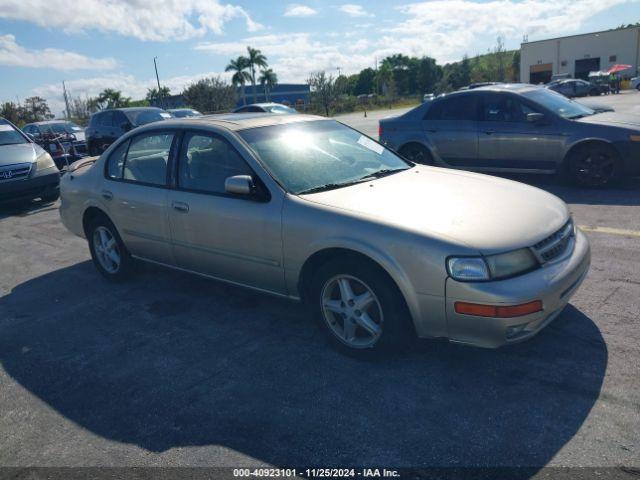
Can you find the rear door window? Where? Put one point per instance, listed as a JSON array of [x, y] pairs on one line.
[[147, 158], [456, 108]]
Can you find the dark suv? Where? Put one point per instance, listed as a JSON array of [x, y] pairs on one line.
[[108, 125]]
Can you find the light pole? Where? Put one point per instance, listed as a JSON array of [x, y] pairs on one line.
[[158, 80]]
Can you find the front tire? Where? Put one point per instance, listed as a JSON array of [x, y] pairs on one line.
[[595, 166], [109, 254], [51, 197], [360, 307]]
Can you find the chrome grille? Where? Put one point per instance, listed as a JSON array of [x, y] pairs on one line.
[[15, 172], [554, 245]]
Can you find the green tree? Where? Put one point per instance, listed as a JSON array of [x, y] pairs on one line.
[[210, 95], [366, 82], [110, 98], [240, 76], [35, 109], [323, 93], [12, 112], [256, 60], [268, 79], [428, 74], [156, 96]]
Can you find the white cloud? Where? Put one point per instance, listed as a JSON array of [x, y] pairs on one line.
[[446, 29], [14, 55], [354, 10], [293, 56], [294, 10], [161, 20]]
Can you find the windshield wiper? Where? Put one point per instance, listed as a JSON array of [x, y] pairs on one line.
[[366, 178], [331, 186]]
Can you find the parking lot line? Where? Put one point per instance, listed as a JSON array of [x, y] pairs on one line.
[[609, 230]]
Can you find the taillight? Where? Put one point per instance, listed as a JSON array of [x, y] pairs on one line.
[[379, 130]]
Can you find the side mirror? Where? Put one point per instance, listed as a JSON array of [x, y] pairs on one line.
[[239, 185], [535, 117]]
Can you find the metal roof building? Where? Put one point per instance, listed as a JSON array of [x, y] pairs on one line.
[[577, 55]]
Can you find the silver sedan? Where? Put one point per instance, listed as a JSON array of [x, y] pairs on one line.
[[306, 208]]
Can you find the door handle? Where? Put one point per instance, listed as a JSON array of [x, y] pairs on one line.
[[107, 195], [180, 207]]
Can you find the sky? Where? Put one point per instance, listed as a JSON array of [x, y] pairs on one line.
[[98, 44]]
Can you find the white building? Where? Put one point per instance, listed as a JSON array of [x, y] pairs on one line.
[[578, 55]]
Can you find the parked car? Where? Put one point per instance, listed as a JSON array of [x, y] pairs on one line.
[[635, 83], [26, 170], [575, 88], [518, 128], [64, 140], [309, 209], [184, 112], [264, 108], [108, 125]]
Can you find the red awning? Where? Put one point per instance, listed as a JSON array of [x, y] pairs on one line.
[[619, 68]]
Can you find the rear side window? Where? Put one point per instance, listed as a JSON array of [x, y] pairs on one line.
[[105, 119], [147, 158], [206, 161], [115, 164], [457, 108]]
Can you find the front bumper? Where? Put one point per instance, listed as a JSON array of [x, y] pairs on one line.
[[47, 183], [553, 284]]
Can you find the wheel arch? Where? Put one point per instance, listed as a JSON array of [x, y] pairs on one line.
[[363, 253], [585, 142], [89, 215]]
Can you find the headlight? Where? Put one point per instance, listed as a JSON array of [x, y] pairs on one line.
[[511, 263], [468, 268], [492, 267], [44, 161]]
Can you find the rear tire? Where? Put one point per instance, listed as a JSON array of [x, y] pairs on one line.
[[417, 153], [594, 166], [360, 308], [109, 254]]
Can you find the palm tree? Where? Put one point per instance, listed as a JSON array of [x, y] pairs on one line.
[[268, 79], [256, 60], [241, 76], [111, 98]]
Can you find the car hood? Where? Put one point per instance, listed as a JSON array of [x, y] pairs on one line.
[[488, 214], [20, 153], [614, 119]]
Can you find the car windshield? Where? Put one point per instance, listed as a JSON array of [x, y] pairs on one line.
[[306, 157], [9, 135], [558, 103], [280, 109], [148, 116]]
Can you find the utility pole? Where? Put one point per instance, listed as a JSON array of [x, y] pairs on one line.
[[66, 99], [158, 80]]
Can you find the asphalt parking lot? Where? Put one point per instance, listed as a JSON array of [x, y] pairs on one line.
[[175, 370]]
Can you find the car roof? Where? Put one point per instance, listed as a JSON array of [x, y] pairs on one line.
[[50, 122], [264, 104], [129, 109], [239, 121]]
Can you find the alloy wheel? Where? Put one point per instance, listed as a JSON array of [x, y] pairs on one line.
[[106, 249], [596, 168], [352, 311]]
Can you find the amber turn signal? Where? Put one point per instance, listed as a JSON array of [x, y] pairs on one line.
[[498, 311]]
